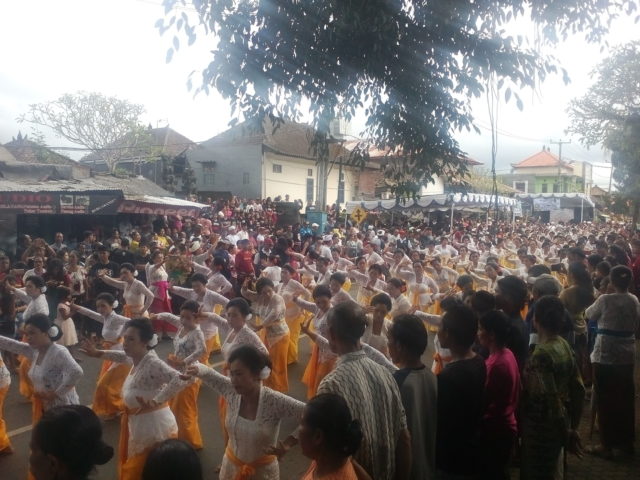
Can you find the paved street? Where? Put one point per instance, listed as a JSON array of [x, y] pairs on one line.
[[18, 417], [17, 414]]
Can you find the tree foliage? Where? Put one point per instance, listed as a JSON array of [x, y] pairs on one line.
[[108, 127], [413, 65], [609, 114]]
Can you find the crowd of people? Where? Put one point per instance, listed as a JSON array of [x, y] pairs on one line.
[[436, 353]]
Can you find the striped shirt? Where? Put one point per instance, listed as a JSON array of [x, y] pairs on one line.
[[367, 388]]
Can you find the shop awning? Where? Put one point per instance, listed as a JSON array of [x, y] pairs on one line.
[[466, 202], [567, 200], [150, 205]]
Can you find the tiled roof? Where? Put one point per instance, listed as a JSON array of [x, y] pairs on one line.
[[541, 159], [290, 138], [163, 140], [27, 151], [59, 178]]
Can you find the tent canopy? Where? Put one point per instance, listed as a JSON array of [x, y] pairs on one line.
[[458, 201], [567, 200]]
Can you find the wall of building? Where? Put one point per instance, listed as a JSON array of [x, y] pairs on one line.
[[228, 168], [433, 188], [294, 176]]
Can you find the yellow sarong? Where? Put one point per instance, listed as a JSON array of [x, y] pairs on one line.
[[4, 438], [131, 468], [185, 408], [278, 352]]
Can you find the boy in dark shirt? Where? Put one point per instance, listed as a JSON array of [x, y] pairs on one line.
[[460, 395], [511, 296]]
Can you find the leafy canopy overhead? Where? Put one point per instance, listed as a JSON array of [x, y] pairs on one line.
[[609, 114], [413, 65], [108, 127]]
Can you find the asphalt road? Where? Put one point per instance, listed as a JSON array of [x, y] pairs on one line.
[[17, 414]]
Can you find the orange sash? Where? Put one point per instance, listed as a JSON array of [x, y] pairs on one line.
[[124, 428], [248, 470]]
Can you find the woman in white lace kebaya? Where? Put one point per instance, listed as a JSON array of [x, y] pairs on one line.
[[270, 307], [322, 359], [294, 316], [210, 301], [107, 399], [253, 415], [151, 383], [189, 347], [33, 295], [137, 297], [53, 371]]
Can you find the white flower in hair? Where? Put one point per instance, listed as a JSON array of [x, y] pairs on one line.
[[153, 342], [115, 304], [135, 273], [43, 289], [53, 331], [264, 373]]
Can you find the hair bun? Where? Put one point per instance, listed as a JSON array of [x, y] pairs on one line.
[[353, 437], [153, 341], [54, 332], [102, 454]]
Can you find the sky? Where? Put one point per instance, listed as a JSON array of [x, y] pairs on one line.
[[112, 47]]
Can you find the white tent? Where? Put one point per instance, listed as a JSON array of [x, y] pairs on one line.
[[567, 200], [457, 201]]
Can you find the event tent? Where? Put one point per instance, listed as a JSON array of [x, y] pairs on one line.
[[456, 201]]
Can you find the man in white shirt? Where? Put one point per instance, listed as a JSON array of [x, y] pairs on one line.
[[232, 238]]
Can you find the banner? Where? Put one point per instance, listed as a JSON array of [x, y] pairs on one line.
[[546, 204], [59, 203]]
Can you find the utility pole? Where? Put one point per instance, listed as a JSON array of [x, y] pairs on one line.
[[559, 143]]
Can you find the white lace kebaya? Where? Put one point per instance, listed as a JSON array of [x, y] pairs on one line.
[[249, 438], [152, 380], [56, 371]]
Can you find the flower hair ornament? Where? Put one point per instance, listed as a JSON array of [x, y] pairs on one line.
[[53, 331], [115, 304], [264, 373], [153, 342], [135, 273], [43, 289]]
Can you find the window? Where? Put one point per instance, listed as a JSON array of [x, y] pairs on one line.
[[208, 178], [277, 168], [245, 178], [544, 188], [556, 188], [208, 167], [309, 191], [310, 172], [520, 186]]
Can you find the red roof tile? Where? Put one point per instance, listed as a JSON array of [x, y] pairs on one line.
[[541, 159]]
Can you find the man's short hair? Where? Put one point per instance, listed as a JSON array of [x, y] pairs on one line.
[[409, 332], [461, 325], [347, 321]]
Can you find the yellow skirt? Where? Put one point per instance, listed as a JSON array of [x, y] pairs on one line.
[[107, 400], [435, 309], [294, 324], [130, 468], [185, 408], [4, 438], [316, 371], [278, 380], [26, 387], [213, 345]]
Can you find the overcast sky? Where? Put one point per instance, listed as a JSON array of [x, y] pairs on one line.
[[111, 46]]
